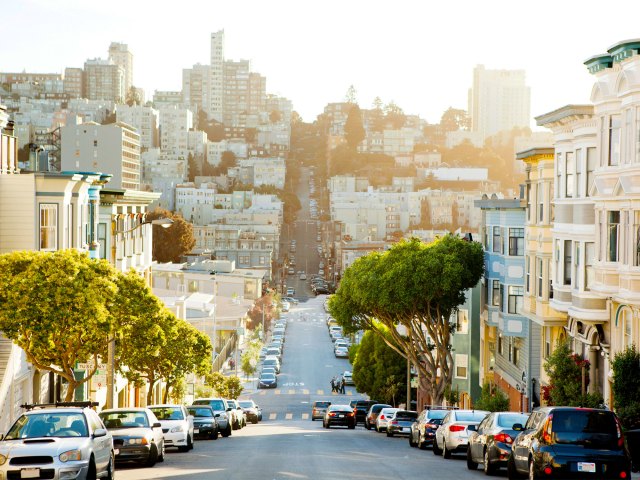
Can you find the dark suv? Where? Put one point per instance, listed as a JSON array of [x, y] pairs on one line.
[[568, 442], [361, 407], [423, 431]]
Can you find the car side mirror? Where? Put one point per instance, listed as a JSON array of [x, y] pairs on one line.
[[517, 427], [157, 425], [216, 415], [472, 428], [100, 432], [229, 409]]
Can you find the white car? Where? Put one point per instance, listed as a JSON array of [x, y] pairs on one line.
[[341, 352], [272, 361], [303, 276], [59, 442], [453, 434], [383, 418], [286, 306], [177, 425], [348, 378]]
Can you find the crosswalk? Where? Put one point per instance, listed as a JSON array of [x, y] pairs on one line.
[[304, 391], [289, 416]]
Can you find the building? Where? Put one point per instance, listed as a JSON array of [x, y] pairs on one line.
[[120, 55], [195, 87], [235, 99], [146, 121], [112, 148], [104, 80], [167, 98], [510, 342], [259, 171], [74, 82], [175, 123], [216, 78], [498, 100]]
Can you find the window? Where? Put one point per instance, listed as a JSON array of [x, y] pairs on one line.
[[497, 243], [527, 266], [592, 164], [496, 293], [569, 176], [500, 344], [614, 140], [540, 202], [547, 341], [558, 186], [515, 358], [516, 241], [540, 277], [462, 364], [515, 298], [626, 328], [48, 226], [614, 231], [463, 321], [566, 280], [501, 298], [589, 254], [579, 170]]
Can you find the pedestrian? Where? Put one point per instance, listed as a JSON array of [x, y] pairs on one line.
[[342, 384], [232, 364], [333, 384]]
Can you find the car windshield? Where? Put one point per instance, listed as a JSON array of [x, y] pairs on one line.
[[215, 404], [470, 416], [322, 404], [168, 413], [438, 414], [201, 412], [268, 376], [506, 420], [124, 419], [406, 415], [586, 427], [248, 404], [377, 408], [69, 424]]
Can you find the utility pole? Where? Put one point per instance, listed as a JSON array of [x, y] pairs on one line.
[[408, 384]]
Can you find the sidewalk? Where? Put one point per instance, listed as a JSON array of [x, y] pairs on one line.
[[249, 384]]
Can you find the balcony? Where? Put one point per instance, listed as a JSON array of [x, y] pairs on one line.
[[629, 285]]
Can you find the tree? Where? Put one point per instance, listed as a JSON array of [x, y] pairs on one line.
[[170, 244], [227, 160], [376, 115], [454, 119], [394, 115], [133, 97], [250, 357], [194, 168], [568, 379], [234, 387], [417, 286], [218, 382], [57, 307], [492, 399], [275, 116], [350, 96], [353, 130], [626, 386]]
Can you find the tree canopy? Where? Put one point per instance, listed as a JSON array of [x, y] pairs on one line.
[[169, 244], [417, 286], [626, 386], [353, 129]]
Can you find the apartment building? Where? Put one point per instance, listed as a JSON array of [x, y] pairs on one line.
[[195, 87], [104, 80], [216, 78], [112, 149], [73, 82], [120, 55], [215, 150], [175, 123], [259, 171], [146, 121]]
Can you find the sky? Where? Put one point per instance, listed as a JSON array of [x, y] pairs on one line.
[[419, 54]]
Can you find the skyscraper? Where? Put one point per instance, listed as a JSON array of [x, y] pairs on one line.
[[216, 83], [498, 100], [119, 54], [104, 80], [195, 87]]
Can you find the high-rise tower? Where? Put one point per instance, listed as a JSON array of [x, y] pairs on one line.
[[216, 83]]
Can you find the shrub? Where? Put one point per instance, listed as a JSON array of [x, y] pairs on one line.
[[492, 399], [626, 386]]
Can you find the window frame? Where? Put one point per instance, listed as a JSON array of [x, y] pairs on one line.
[[515, 299], [496, 239], [461, 362], [48, 224], [516, 241]]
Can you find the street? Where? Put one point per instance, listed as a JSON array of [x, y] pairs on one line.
[[287, 444]]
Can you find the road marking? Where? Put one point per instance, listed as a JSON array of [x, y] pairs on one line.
[[305, 416], [291, 392], [305, 391], [349, 393], [273, 416], [319, 392], [277, 392], [288, 416], [263, 392]]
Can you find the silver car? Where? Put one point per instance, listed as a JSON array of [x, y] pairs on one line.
[[64, 441], [453, 434], [383, 418]]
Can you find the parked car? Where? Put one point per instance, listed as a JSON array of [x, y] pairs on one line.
[[303, 276], [291, 300], [453, 434], [251, 410], [400, 422], [361, 407], [341, 352], [267, 380], [274, 351], [272, 361], [372, 415], [268, 370], [423, 431], [204, 421], [339, 415], [137, 435], [238, 419], [286, 306], [177, 426], [383, 418], [220, 408], [348, 378], [490, 444], [291, 291], [319, 408], [263, 353], [67, 438], [569, 442]]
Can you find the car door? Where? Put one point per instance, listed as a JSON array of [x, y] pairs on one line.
[[442, 429], [521, 446], [189, 418], [478, 439], [158, 437], [103, 446]]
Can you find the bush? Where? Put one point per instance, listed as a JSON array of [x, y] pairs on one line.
[[492, 399], [626, 386]]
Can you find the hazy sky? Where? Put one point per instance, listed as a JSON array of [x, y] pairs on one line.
[[420, 54]]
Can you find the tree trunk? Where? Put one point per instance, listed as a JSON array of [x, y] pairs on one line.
[[152, 382], [71, 389]]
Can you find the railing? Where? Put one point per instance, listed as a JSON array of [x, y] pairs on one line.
[[224, 353]]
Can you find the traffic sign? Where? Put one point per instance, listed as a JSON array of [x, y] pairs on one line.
[[90, 366]]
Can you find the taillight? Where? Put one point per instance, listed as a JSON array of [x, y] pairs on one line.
[[332, 414], [620, 440], [503, 437], [394, 422], [350, 414], [623, 474], [546, 429], [456, 428], [381, 417], [433, 426], [548, 470]]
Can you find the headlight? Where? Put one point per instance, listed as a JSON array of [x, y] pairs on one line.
[[177, 429], [3, 459], [137, 441], [71, 455], [223, 415], [207, 425]]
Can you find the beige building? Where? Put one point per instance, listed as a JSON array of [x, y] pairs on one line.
[[120, 55], [104, 80]]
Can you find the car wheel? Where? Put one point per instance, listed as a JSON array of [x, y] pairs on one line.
[[214, 435], [471, 465], [436, 448], [389, 434], [111, 467], [420, 444], [313, 419], [153, 456], [512, 472], [487, 467], [532, 470], [367, 425], [411, 442], [92, 474], [190, 442], [227, 431], [161, 453], [352, 427], [255, 422], [446, 453]]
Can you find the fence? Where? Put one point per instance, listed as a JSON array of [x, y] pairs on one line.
[[224, 353]]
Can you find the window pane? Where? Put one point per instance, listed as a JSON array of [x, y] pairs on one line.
[[569, 175], [591, 166], [567, 262], [614, 140], [614, 227]]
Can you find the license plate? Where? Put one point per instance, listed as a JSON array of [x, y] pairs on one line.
[[586, 467], [340, 416], [196, 430], [30, 473], [405, 429]]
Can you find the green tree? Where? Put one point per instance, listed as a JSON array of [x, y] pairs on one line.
[[568, 379], [250, 357], [133, 97], [227, 160], [394, 115], [218, 382], [275, 116], [492, 399], [234, 387], [194, 168], [169, 244], [626, 386], [351, 95], [454, 119], [56, 306], [417, 286], [353, 130]]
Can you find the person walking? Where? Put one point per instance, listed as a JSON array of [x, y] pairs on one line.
[[333, 384], [342, 384]]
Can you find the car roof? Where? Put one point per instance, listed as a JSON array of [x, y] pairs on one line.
[[55, 410], [164, 405], [126, 409], [335, 406], [200, 406]]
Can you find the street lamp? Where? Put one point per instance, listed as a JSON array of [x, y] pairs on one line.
[[111, 366]]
